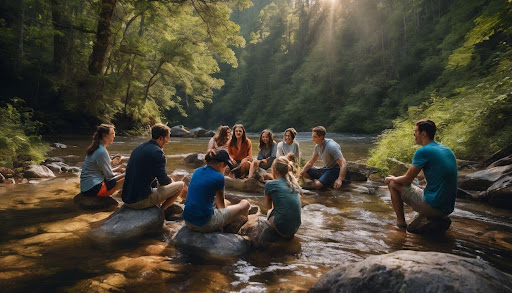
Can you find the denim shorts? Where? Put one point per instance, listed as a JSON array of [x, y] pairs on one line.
[[326, 176]]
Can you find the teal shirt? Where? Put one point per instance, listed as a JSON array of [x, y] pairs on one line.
[[440, 168], [287, 206]]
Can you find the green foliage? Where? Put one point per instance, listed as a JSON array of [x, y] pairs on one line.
[[18, 139]]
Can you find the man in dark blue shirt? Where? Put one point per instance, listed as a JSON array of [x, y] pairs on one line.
[[147, 163]]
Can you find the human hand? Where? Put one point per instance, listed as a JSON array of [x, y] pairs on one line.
[[338, 183], [389, 179]]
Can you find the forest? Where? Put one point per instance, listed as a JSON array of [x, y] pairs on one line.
[[365, 66]]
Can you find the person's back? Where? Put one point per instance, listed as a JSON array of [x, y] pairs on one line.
[[95, 169], [440, 168], [286, 206]]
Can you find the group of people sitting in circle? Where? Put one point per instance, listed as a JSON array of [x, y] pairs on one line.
[[145, 182]]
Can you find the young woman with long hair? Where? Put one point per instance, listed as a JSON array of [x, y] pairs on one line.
[[267, 152], [220, 140], [240, 151], [97, 177]]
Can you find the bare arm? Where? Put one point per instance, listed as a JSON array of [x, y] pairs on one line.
[[219, 199], [404, 179], [343, 172], [309, 164]]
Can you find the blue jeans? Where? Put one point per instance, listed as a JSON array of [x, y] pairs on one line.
[[326, 176]]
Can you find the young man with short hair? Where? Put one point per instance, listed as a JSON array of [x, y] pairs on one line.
[[335, 166], [439, 165], [147, 163]]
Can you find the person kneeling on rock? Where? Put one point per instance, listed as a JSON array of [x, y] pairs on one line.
[[207, 186], [282, 199]]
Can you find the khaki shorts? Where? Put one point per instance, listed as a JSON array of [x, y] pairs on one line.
[[158, 195], [413, 196], [219, 219]]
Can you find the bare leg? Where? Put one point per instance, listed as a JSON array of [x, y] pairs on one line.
[[398, 204], [245, 165], [253, 167], [318, 184], [241, 208]]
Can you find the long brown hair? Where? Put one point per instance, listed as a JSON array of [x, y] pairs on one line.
[[270, 139], [233, 137], [285, 168], [221, 138], [101, 131]]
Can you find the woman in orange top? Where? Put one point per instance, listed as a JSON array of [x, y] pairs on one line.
[[240, 151]]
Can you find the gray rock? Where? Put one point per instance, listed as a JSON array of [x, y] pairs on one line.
[[56, 167], [359, 172], [129, 224], [37, 171], [180, 131], [174, 212], [215, 244], [397, 168], [482, 180], [59, 145], [235, 225], [467, 165], [259, 233], [181, 175], [501, 162], [195, 159], [500, 193], [473, 195], [498, 155], [423, 225], [201, 132], [95, 202], [413, 271], [245, 185], [254, 210], [10, 181], [53, 160]]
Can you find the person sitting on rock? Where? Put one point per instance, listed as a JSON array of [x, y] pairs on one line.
[[207, 187], [282, 199], [220, 140], [289, 144], [335, 166], [267, 153], [147, 163], [240, 151], [97, 177], [439, 165]]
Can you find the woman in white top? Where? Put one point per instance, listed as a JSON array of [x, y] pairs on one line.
[[220, 140], [289, 145]]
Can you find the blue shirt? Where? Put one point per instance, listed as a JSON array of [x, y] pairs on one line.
[[146, 163], [95, 169], [440, 168], [205, 183]]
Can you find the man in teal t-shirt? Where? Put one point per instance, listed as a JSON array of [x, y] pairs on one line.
[[438, 163]]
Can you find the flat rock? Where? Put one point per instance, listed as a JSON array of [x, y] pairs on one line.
[[180, 131], [95, 202], [423, 225], [414, 271], [470, 194], [245, 185], [500, 193], [214, 244], [482, 180], [129, 224], [195, 159], [37, 171]]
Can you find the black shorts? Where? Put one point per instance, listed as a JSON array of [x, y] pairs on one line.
[[96, 189]]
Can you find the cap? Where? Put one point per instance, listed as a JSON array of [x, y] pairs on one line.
[[220, 156]]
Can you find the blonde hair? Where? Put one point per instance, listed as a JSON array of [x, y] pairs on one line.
[[285, 168]]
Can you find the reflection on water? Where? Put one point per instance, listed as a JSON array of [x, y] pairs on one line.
[[44, 244]]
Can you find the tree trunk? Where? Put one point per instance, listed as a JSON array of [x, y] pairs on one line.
[[20, 41], [61, 42], [103, 34]]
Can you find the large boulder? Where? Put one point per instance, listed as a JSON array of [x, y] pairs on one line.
[[424, 225], [95, 202], [201, 132], [259, 233], [500, 193], [359, 172], [129, 224], [180, 131], [482, 180], [397, 168], [501, 162], [244, 185], [37, 171], [214, 244], [195, 159], [60, 167], [413, 271]]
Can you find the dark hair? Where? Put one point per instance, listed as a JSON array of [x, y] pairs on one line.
[[101, 131], [233, 137], [320, 130], [292, 132], [428, 126], [221, 138], [270, 138], [158, 130]]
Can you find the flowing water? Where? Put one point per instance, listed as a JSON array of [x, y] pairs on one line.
[[44, 246]]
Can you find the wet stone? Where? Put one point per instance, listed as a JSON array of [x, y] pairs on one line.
[[423, 225], [235, 225], [259, 232], [37, 171], [214, 244], [95, 202], [174, 212]]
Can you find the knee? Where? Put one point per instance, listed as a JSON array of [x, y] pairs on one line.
[[245, 204], [318, 184]]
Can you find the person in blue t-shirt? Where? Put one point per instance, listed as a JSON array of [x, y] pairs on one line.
[[439, 165], [207, 187]]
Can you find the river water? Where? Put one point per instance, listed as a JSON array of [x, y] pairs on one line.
[[44, 245]]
